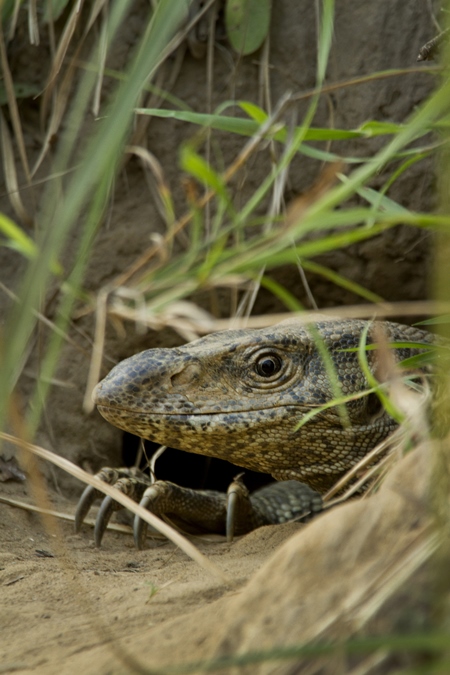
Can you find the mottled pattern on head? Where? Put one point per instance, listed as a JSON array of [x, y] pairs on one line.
[[239, 395]]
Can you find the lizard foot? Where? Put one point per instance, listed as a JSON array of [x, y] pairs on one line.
[[200, 511], [131, 482], [234, 513]]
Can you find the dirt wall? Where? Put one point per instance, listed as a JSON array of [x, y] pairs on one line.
[[368, 37]]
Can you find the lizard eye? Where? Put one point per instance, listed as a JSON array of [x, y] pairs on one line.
[[268, 365]]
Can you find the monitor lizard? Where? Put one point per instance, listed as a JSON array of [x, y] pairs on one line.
[[239, 395]]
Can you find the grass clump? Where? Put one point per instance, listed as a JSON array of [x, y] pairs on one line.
[[221, 241]]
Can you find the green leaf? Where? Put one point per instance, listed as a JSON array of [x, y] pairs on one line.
[[253, 111], [247, 24], [381, 202], [282, 293], [57, 7], [16, 238], [419, 360], [7, 9], [372, 381], [244, 127], [341, 400], [21, 90], [196, 166], [340, 280], [325, 39], [235, 125], [435, 321], [398, 345], [331, 370], [374, 128]]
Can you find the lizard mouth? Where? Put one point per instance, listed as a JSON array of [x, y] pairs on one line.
[[104, 409]]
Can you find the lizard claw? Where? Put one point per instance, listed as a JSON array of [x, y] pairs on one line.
[[232, 499], [107, 508], [86, 500], [237, 496], [90, 494], [129, 481]]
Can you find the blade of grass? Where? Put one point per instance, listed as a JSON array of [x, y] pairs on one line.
[[10, 174], [341, 281], [245, 127], [371, 379], [95, 169], [12, 105]]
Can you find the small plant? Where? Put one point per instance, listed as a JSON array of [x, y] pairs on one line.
[[153, 590]]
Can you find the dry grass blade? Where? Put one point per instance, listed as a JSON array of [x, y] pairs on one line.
[[59, 105], [33, 24], [13, 20], [182, 34], [205, 323], [209, 93], [366, 311], [103, 48], [373, 476], [356, 81], [63, 46], [408, 402], [162, 81], [394, 577], [50, 324], [325, 181], [186, 318], [9, 170], [97, 7], [114, 527], [128, 503], [243, 157], [412, 405], [392, 443], [152, 465], [162, 193], [275, 209], [365, 600], [371, 664], [12, 105], [97, 351]]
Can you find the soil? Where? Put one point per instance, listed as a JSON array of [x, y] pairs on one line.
[[74, 601], [67, 607]]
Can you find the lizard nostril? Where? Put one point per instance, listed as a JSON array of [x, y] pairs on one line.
[[188, 375]]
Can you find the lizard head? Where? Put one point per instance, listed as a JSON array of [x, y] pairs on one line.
[[239, 395]]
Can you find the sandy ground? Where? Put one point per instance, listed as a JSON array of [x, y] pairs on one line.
[[364, 568], [66, 606]]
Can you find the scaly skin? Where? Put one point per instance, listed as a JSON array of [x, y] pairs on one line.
[[238, 395]]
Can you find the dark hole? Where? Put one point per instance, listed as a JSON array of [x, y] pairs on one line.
[[374, 405], [190, 470]]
